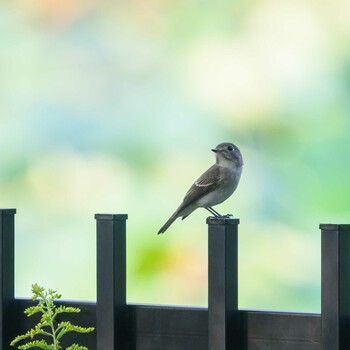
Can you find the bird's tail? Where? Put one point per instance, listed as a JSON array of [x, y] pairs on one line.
[[168, 223]]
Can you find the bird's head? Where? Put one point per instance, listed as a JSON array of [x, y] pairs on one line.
[[228, 152]]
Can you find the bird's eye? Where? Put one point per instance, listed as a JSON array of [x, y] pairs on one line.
[[230, 148]]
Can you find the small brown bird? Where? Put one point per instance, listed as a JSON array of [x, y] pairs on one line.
[[214, 186]]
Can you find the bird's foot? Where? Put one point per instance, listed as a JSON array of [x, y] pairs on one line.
[[217, 215], [227, 216]]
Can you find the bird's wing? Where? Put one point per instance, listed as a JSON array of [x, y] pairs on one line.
[[205, 184]]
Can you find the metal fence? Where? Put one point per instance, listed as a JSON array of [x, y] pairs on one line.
[[221, 326]]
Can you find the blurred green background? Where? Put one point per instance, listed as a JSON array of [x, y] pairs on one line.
[[101, 103]]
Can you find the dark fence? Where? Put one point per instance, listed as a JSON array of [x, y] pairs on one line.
[[221, 326]]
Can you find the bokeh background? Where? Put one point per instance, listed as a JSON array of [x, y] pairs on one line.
[[112, 107]]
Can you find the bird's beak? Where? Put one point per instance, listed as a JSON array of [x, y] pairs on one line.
[[214, 150]]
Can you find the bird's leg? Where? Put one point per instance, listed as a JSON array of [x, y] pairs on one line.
[[217, 215], [214, 212]]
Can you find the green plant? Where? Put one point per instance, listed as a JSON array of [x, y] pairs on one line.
[[48, 325]]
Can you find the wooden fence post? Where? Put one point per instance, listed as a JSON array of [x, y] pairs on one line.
[[335, 287], [224, 326], [111, 281], [7, 275]]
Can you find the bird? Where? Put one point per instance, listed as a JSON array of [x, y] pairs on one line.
[[214, 186]]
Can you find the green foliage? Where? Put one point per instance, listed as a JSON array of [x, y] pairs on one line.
[[48, 325]]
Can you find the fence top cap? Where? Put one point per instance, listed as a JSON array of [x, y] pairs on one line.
[[212, 220], [111, 217], [7, 211], [341, 227]]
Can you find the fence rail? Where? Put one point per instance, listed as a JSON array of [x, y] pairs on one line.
[[221, 326]]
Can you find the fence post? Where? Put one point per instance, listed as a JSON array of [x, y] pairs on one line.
[[111, 281], [224, 330], [335, 286], [7, 274]]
